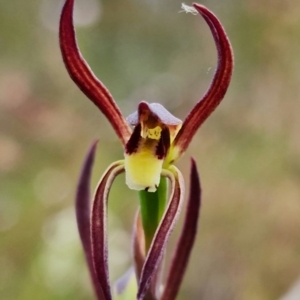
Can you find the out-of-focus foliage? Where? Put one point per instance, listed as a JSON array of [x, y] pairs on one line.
[[248, 246]]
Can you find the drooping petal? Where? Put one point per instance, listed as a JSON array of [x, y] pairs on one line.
[[187, 238], [164, 230], [82, 207], [218, 87], [82, 75], [99, 226]]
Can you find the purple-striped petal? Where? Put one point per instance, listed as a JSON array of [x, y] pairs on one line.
[[187, 238], [99, 227], [163, 231], [82, 207], [82, 75], [218, 87]]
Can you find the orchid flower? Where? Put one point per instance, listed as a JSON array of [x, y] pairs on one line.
[[153, 140]]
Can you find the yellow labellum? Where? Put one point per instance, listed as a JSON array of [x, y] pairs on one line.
[[143, 170]]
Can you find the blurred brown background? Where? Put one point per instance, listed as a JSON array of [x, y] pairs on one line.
[[248, 152]]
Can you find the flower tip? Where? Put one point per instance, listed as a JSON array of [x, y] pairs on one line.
[[94, 144], [68, 6], [85, 175], [193, 161], [89, 160], [201, 9], [195, 177], [197, 5]]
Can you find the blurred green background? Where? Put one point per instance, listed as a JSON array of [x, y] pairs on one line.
[[248, 152]]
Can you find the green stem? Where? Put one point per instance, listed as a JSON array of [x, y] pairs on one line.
[[152, 207]]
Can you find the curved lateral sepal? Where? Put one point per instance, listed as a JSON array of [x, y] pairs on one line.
[[163, 231], [187, 238], [99, 227], [82, 208], [218, 87], [83, 76]]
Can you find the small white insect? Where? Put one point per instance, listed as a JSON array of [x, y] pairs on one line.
[[188, 9]]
